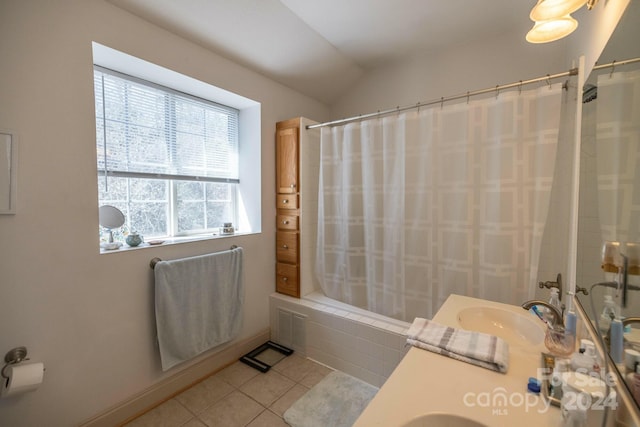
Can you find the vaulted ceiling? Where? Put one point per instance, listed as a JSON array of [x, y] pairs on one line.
[[321, 47]]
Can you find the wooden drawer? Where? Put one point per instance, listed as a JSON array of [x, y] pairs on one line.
[[287, 201], [287, 247], [287, 279], [287, 222]]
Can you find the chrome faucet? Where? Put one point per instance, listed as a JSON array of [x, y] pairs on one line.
[[628, 320], [557, 284], [557, 314]]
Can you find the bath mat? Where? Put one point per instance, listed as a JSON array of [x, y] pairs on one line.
[[337, 401]]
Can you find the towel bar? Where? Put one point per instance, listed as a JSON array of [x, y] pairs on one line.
[[156, 260]]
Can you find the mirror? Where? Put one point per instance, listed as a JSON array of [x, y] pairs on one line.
[[8, 150], [610, 178], [110, 217]]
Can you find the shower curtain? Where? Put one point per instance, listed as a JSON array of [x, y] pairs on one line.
[[618, 156], [448, 199]]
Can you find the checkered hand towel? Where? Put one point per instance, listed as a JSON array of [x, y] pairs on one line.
[[476, 348]]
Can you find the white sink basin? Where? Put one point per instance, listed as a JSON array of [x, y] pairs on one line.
[[515, 328], [442, 420]]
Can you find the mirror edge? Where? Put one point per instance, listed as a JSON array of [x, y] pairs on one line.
[[625, 396]]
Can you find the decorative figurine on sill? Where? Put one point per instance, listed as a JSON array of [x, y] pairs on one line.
[[133, 239]]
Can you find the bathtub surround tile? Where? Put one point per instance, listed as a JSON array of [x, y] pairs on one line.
[[368, 347]]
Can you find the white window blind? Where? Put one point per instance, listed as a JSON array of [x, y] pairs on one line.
[[146, 130]]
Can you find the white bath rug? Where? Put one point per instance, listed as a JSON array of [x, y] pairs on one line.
[[337, 401]]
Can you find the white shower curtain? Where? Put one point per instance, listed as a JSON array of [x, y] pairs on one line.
[[618, 156], [449, 199]]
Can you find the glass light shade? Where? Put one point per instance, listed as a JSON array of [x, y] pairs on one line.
[[555, 29], [546, 10]]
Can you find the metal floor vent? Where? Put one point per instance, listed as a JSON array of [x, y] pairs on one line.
[[265, 356]]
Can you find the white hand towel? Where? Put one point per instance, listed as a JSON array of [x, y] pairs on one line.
[[487, 351], [199, 304]]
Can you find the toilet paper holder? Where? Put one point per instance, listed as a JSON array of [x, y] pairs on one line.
[[13, 356]]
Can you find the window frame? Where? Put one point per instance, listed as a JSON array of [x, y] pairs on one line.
[[201, 81]]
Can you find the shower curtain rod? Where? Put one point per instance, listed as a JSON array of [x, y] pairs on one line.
[[498, 88]]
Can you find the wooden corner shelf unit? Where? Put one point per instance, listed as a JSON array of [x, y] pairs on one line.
[[288, 207]]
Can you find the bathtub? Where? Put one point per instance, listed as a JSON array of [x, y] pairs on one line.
[[360, 343]]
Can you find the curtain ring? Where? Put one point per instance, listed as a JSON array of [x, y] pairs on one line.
[[418, 106], [497, 91], [520, 88], [549, 80], [441, 102], [467, 97], [613, 67]]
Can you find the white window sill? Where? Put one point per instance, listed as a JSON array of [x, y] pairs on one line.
[[174, 241]]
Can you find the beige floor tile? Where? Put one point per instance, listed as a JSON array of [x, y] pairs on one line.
[[280, 406], [195, 423], [170, 414], [237, 374], [297, 368], [267, 388], [268, 419], [204, 394], [233, 410], [315, 375]]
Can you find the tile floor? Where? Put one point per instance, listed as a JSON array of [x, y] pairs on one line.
[[238, 396]]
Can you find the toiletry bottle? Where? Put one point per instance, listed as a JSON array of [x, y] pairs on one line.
[[590, 352], [609, 312], [554, 301], [585, 359], [570, 323], [616, 340]]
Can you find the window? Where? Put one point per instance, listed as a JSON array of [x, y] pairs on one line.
[[168, 160]]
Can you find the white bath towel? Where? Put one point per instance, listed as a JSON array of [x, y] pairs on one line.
[[199, 303], [480, 349]]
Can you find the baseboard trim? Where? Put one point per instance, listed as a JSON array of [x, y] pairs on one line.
[[167, 388]]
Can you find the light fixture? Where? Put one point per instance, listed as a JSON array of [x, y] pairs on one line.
[[553, 19], [551, 30], [547, 10]]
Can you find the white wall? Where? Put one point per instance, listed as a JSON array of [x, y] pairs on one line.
[[478, 64], [89, 317], [595, 29]]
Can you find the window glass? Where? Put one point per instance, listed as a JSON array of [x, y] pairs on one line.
[[167, 160]]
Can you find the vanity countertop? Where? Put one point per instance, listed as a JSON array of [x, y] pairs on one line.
[[426, 382]]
